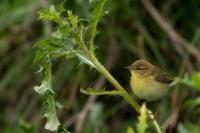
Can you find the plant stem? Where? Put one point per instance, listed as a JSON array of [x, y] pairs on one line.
[[154, 122], [99, 92], [123, 92]]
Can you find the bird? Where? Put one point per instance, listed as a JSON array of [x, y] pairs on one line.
[[148, 81]]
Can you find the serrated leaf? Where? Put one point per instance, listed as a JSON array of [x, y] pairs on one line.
[[42, 89], [51, 14], [62, 7], [67, 54], [130, 130], [49, 43], [73, 19], [96, 15], [46, 47], [92, 91], [45, 87], [57, 34], [142, 124], [46, 91], [62, 32], [52, 123]]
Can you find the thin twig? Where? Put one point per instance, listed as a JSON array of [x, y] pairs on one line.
[[172, 120]]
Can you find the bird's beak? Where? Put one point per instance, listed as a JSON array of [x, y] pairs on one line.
[[128, 67]]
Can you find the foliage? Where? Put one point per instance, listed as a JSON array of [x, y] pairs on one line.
[[63, 39], [142, 124], [54, 46], [75, 33]]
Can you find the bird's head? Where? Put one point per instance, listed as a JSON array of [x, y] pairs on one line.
[[141, 67]]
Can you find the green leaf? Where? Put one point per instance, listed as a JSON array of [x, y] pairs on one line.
[[142, 124], [46, 91], [186, 80], [46, 47], [61, 32], [98, 12], [53, 15], [49, 43], [192, 103], [26, 127], [45, 87], [67, 54], [73, 19], [188, 128], [42, 89], [130, 130], [92, 91], [196, 80], [52, 123], [96, 113]]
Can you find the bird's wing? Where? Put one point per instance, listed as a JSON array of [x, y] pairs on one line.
[[163, 77]]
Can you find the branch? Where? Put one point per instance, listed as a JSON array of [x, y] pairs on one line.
[[171, 122], [92, 91]]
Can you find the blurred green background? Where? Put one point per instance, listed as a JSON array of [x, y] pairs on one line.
[[127, 33]]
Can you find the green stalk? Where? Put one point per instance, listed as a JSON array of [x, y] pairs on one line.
[[110, 78], [123, 92], [154, 122]]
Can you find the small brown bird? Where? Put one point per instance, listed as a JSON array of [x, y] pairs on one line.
[[148, 81]]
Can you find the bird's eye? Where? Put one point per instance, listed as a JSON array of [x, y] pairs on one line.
[[140, 68]]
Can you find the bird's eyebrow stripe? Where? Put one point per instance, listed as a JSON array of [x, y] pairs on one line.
[[141, 67]]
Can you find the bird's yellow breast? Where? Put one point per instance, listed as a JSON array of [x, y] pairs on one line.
[[145, 87]]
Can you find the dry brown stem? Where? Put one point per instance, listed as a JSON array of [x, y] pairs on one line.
[[182, 45]]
